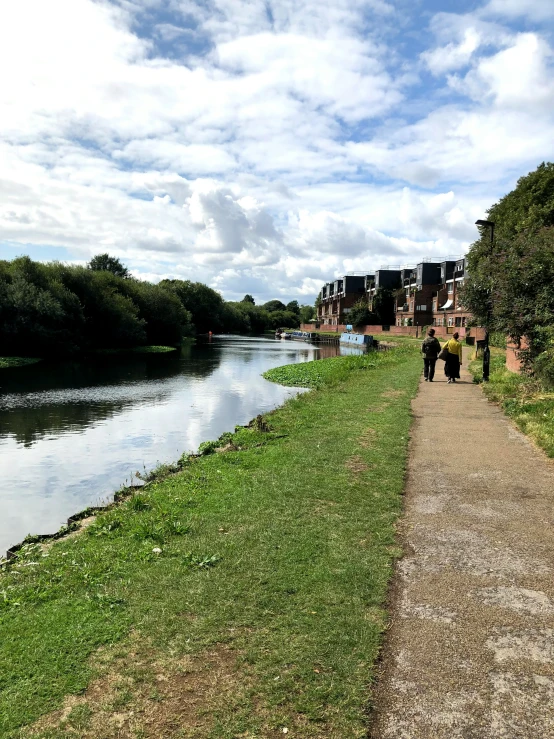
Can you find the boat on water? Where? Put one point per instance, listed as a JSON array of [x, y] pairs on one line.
[[297, 335], [304, 335], [361, 340]]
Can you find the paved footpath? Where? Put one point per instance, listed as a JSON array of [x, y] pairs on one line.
[[470, 650]]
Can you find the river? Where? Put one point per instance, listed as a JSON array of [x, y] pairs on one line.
[[73, 433]]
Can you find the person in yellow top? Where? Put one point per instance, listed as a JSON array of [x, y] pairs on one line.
[[453, 360]]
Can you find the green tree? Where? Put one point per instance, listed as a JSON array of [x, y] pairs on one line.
[[510, 282], [360, 315], [205, 305], [106, 263], [307, 312], [528, 207], [283, 319], [293, 307], [166, 319], [248, 299], [383, 306], [273, 305]]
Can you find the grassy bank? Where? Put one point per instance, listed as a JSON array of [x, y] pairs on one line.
[[240, 597], [135, 350], [7, 362], [522, 398]]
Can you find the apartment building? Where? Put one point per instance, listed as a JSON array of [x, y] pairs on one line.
[[338, 297], [448, 311], [420, 287], [386, 277], [426, 293]]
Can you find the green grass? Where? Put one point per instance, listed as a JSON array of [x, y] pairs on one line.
[[153, 349], [274, 555], [6, 362], [521, 398]]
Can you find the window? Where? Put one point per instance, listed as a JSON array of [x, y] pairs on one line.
[[450, 288], [450, 321]]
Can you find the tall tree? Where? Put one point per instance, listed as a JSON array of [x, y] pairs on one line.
[[360, 315], [248, 299], [383, 305], [273, 305], [106, 263], [205, 305], [525, 210], [307, 312], [510, 287], [528, 207]]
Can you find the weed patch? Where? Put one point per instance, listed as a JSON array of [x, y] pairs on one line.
[[522, 399]]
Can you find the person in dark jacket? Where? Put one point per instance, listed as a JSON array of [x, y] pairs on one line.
[[430, 349]]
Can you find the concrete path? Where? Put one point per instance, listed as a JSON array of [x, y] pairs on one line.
[[470, 651]]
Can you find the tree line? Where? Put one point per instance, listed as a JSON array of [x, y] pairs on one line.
[[54, 309], [510, 288]]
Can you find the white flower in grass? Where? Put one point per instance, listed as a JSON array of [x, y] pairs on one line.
[[157, 550]]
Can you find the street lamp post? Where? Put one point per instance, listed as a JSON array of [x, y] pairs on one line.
[[487, 351]]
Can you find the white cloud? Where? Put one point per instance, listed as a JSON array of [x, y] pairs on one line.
[[453, 55], [537, 10], [273, 152], [516, 78]]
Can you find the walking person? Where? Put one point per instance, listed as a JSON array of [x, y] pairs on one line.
[[430, 348], [453, 360]]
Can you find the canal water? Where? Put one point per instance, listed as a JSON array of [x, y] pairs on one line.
[[73, 433]]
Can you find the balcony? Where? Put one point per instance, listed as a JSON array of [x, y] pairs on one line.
[[403, 307]]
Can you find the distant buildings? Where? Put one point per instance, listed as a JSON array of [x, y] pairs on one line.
[[426, 294], [338, 297]]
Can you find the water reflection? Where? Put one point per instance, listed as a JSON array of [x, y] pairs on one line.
[[71, 434]]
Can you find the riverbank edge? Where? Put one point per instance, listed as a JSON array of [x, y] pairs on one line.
[[261, 426], [11, 362]]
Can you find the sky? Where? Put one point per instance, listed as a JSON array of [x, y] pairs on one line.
[[266, 146]]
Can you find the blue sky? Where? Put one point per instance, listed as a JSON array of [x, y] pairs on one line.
[[266, 146]]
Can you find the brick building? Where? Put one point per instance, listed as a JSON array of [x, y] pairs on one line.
[[338, 297], [387, 277], [448, 311], [426, 294], [420, 287]]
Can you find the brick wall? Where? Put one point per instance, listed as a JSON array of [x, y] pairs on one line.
[[440, 331], [513, 362]]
